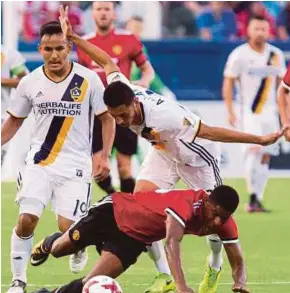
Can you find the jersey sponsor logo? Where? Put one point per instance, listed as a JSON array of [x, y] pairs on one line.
[[60, 126], [59, 108], [76, 235], [117, 49]]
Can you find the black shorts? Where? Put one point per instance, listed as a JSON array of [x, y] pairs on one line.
[[125, 140], [99, 228]]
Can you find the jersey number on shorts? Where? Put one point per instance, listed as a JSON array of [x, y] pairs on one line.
[[80, 206]]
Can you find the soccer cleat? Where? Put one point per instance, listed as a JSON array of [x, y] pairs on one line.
[[38, 255], [17, 286], [210, 280], [261, 208], [162, 283], [78, 261]]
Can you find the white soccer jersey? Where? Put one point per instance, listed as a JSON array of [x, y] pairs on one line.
[[256, 75], [170, 127], [12, 63], [63, 118]]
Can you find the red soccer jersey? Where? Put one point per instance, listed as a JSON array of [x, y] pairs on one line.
[[286, 79], [122, 46], [142, 215]]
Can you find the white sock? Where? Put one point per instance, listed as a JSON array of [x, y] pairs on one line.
[[252, 171], [263, 170], [20, 253], [157, 253], [216, 246]]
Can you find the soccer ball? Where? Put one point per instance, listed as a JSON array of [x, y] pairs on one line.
[[102, 284]]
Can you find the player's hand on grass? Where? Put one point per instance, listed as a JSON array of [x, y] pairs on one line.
[[240, 288], [65, 23], [273, 137], [101, 166]]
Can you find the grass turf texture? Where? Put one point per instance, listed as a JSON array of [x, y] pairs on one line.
[[264, 238]]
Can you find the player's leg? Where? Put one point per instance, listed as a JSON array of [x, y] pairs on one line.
[[97, 146], [257, 161], [126, 144], [72, 199], [34, 193], [156, 172], [206, 177]]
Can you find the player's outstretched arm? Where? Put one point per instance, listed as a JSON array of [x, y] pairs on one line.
[[95, 53], [9, 128], [236, 260], [174, 235], [228, 135]]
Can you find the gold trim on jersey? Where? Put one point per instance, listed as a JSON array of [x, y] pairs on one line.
[[265, 86]]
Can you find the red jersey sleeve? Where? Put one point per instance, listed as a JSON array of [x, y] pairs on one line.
[[82, 59], [137, 54], [286, 79], [228, 232], [180, 209]]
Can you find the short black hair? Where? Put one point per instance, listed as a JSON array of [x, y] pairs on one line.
[[50, 28], [257, 17], [226, 197], [118, 93]]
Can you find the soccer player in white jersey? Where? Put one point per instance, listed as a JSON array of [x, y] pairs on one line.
[[283, 97], [64, 96], [257, 68], [183, 147]]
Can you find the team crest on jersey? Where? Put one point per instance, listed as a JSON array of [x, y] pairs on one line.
[[186, 122], [75, 93], [76, 235], [117, 49]]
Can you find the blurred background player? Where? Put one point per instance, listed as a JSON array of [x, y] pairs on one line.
[[284, 101], [135, 26], [257, 68], [124, 48], [64, 97], [12, 70]]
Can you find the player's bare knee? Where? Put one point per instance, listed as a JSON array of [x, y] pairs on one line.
[[26, 225]]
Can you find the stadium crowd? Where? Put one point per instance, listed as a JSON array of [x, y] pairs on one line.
[[214, 20]]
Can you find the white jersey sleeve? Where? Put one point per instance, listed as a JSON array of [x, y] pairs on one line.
[[182, 124], [117, 76], [233, 66], [97, 101], [21, 104]]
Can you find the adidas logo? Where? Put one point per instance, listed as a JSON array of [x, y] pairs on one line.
[[39, 94]]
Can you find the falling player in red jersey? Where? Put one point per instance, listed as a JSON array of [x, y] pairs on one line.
[[124, 48], [122, 225], [283, 98]]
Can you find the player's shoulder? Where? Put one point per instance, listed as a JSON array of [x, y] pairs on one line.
[[34, 75], [83, 71], [274, 49], [122, 32], [240, 51]]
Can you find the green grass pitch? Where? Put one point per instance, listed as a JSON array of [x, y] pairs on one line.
[[265, 240]]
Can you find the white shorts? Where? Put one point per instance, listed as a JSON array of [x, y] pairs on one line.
[[165, 173], [262, 125], [70, 198]]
